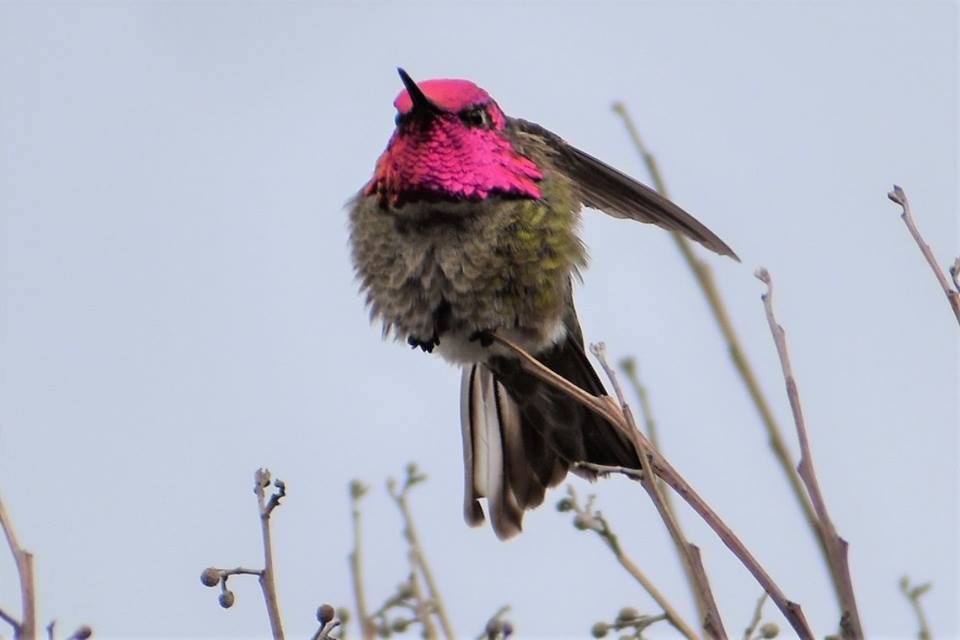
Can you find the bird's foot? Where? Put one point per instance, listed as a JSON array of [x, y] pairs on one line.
[[483, 336], [427, 347]]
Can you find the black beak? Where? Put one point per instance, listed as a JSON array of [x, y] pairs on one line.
[[421, 103]]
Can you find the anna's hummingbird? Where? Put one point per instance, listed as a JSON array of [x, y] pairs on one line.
[[470, 226]]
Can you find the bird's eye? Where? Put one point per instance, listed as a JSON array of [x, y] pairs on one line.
[[476, 117], [398, 119]]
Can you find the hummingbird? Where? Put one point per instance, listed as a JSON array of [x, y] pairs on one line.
[[469, 227]]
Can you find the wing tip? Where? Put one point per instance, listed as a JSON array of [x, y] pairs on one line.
[[722, 248]]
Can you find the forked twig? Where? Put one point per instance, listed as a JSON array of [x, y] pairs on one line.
[[418, 558], [704, 277], [267, 583], [913, 595], [367, 629], [26, 626], [587, 518], [607, 409], [953, 296], [212, 576], [836, 546]]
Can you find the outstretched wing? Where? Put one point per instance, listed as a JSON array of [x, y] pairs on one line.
[[602, 187]]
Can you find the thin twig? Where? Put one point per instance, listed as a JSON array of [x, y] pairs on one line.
[[599, 524], [913, 595], [629, 367], [422, 602], [323, 633], [607, 409], [607, 469], [416, 549], [241, 571], [496, 627], [704, 277], [953, 296], [267, 584], [367, 630], [836, 546], [6, 617], [711, 621], [627, 618], [82, 633], [755, 620], [26, 627]]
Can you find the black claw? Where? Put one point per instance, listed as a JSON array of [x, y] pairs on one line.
[[484, 337], [427, 347]]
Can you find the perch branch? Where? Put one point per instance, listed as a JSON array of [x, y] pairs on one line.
[[953, 297], [607, 409], [26, 627], [704, 277], [836, 546]]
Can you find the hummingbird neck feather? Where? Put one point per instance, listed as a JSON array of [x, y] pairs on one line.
[[452, 161]]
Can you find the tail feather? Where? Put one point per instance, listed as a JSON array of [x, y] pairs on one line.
[[521, 437], [492, 460]]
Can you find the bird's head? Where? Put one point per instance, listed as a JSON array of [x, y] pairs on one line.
[[450, 144]]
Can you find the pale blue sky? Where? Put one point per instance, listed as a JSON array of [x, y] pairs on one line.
[[177, 305]]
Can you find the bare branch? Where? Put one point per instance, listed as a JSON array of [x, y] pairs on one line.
[[704, 277], [629, 367], [13, 622], [82, 633], [367, 630], [627, 618], [587, 518], [607, 409], [711, 620], [212, 576], [497, 626], [953, 296], [836, 546], [755, 620], [323, 633], [26, 627], [913, 595], [267, 583], [221, 574], [418, 558]]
